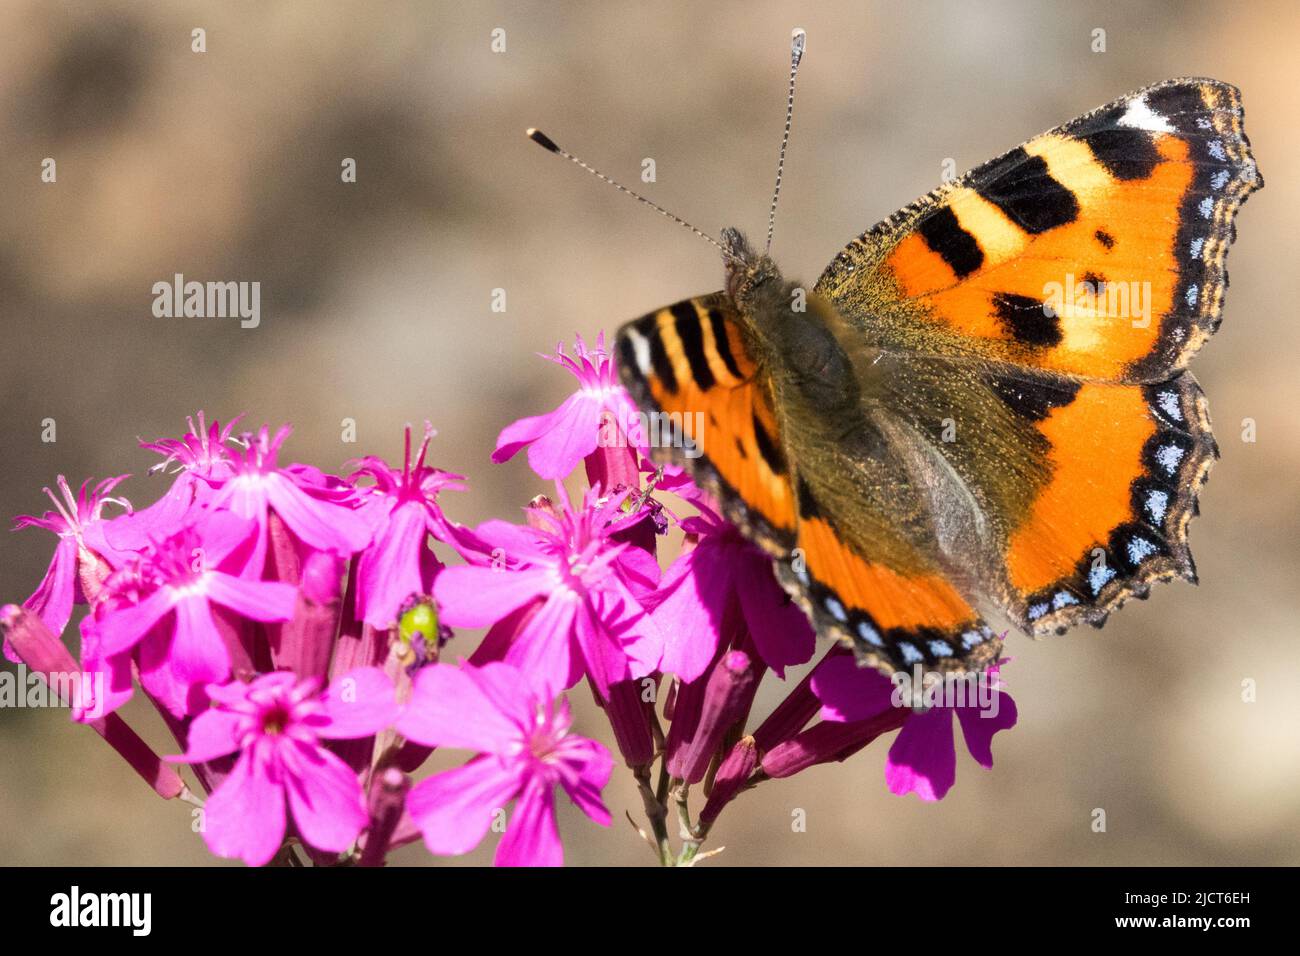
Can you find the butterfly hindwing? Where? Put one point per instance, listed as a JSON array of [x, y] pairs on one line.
[[1126, 464], [1095, 250], [1082, 490]]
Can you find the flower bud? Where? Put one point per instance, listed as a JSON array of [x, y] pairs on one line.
[[730, 779], [724, 697]]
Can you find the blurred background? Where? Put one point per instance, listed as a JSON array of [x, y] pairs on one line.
[[376, 306]]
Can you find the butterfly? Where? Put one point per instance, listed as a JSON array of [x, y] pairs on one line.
[[981, 411]]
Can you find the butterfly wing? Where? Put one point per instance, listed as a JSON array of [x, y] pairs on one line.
[[1083, 489], [1086, 491], [688, 369], [860, 573], [1119, 222]]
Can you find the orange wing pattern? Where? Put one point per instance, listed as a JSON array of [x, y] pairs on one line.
[[688, 369], [1095, 250], [894, 618], [1126, 464]]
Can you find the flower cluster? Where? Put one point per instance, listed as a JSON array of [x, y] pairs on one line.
[[291, 627]]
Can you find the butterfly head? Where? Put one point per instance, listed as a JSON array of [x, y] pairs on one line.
[[746, 269]]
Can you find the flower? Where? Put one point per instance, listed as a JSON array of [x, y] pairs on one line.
[[80, 526], [560, 439], [586, 617], [525, 751], [923, 758], [319, 511], [276, 724], [403, 506], [722, 578], [174, 584]]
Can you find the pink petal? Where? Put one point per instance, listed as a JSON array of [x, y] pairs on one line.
[[197, 653], [532, 837], [389, 570], [594, 765], [923, 759], [476, 597], [782, 634], [324, 797], [568, 435], [244, 818], [112, 684], [259, 600], [523, 432], [455, 809], [696, 588], [449, 708], [53, 598], [222, 533], [574, 433], [359, 703], [978, 729], [516, 542], [546, 648], [213, 733], [122, 628], [848, 692], [323, 525]]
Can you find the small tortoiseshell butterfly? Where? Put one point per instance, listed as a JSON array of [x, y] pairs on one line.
[[982, 408]]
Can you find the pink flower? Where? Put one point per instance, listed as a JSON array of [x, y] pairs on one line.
[[586, 618], [561, 438], [923, 759], [722, 579], [317, 510], [163, 604], [79, 524], [525, 752], [276, 724], [403, 506]]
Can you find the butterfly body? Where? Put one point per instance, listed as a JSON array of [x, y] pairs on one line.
[[980, 414]]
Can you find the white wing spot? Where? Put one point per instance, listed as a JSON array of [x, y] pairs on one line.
[[641, 349], [1140, 116], [1192, 294], [1157, 502], [1139, 549], [1194, 250], [869, 633], [1098, 577], [1063, 599], [1169, 458], [910, 653], [1216, 150], [1206, 207], [1168, 402]]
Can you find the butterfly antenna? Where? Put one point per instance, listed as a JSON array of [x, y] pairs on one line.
[[541, 139], [798, 40]]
